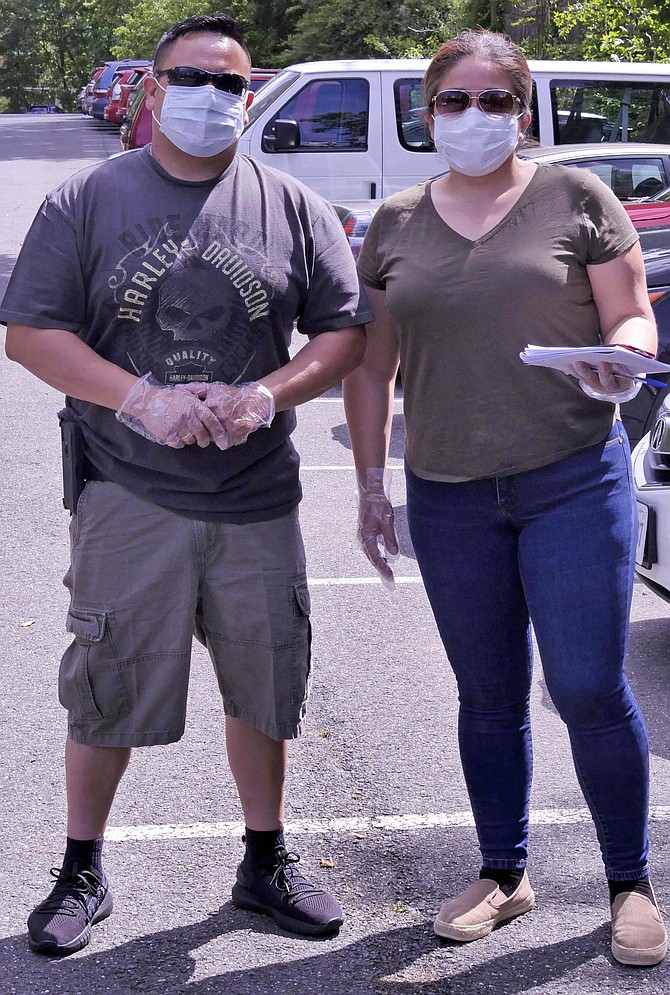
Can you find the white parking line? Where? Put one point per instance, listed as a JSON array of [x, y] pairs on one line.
[[348, 466], [327, 827], [339, 400], [344, 581]]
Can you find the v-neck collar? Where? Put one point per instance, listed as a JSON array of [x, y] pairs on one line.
[[516, 206]]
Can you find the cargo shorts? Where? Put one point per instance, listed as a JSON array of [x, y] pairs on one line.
[[143, 581]]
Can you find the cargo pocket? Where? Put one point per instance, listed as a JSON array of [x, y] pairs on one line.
[[90, 684], [302, 645]]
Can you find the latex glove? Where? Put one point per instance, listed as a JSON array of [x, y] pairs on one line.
[[169, 416], [240, 408], [376, 531], [603, 383]]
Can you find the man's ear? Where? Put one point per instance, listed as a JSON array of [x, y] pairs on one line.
[[248, 101], [150, 85]]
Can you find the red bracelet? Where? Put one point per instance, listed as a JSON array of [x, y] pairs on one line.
[[633, 348]]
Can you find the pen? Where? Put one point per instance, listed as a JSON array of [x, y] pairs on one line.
[[647, 380], [652, 383]]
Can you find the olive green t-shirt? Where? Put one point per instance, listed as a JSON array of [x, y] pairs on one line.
[[464, 310]]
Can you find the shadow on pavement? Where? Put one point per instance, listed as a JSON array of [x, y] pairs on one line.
[[165, 963], [53, 138], [340, 434]]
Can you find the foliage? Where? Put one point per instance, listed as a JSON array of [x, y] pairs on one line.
[[635, 32], [331, 29], [638, 31], [146, 20], [49, 48]]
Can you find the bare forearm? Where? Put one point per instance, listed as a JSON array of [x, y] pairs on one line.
[[368, 404], [319, 365], [638, 331], [66, 363]]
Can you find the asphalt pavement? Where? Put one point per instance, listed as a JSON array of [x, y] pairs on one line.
[[376, 801]]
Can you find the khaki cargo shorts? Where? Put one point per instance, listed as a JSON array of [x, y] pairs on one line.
[[142, 582]]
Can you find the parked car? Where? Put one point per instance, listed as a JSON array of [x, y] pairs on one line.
[[651, 455], [45, 109], [356, 217], [90, 89], [79, 100], [136, 131], [119, 93], [631, 170], [259, 77], [652, 211], [106, 79]]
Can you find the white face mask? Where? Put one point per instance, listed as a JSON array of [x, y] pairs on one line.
[[201, 120], [475, 143]]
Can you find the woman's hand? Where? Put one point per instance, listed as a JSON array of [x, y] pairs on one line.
[[376, 529], [603, 383]]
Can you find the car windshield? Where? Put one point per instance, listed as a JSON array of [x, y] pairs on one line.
[[273, 89]]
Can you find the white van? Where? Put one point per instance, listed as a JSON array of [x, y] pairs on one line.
[[354, 129]]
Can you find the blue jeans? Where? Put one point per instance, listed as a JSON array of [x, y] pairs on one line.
[[555, 545]]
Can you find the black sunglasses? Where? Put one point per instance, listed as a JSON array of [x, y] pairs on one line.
[[189, 76], [490, 101]]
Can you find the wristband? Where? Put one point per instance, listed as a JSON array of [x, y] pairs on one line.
[[635, 349]]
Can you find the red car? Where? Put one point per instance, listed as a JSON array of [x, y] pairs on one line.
[[89, 96], [136, 130], [652, 213], [119, 93]]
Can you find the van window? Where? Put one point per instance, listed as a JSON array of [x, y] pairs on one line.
[[331, 116], [410, 115], [603, 111]]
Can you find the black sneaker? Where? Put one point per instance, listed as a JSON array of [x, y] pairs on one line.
[[282, 892], [61, 924]]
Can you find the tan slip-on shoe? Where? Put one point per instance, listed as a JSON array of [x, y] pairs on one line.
[[480, 908], [638, 932]]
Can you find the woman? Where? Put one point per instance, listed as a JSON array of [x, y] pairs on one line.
[[519, 495]]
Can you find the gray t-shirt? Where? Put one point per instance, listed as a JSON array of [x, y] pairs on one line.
[[193, 282], [464, 309]]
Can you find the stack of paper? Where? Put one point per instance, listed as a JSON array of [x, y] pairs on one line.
[[563, 359]]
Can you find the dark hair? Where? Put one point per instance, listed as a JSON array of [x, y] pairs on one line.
[[489, 46], [219, 24]]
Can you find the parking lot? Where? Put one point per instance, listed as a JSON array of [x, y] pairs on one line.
[[376, 802]]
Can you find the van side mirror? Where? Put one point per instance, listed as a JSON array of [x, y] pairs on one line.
[[287, 136]]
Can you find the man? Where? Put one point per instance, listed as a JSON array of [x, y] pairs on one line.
[[173, 307]]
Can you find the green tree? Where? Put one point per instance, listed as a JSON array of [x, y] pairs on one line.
[[145, 21], [48, 48], [329, 29], [638, 31]]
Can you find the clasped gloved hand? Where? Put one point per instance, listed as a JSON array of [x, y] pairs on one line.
[[169, 416], [376, 530], [240, 408], [604, 384]]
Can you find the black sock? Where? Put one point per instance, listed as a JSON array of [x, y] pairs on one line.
[[641, 886], [81, 855], [508, 879], [261, 845]]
